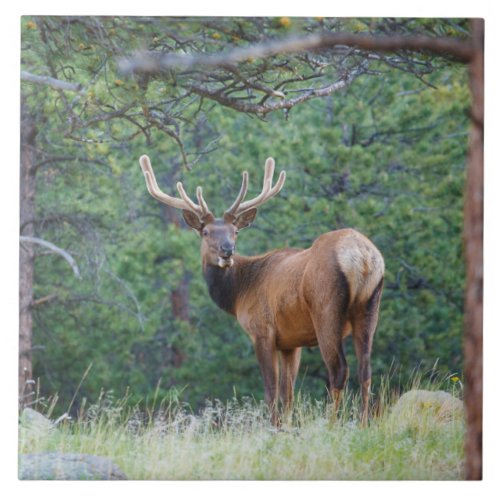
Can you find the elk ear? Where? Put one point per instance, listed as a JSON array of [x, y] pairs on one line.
[[192, 220], [246, 218]]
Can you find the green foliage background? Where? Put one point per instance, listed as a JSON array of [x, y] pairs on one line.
[[385, 156]]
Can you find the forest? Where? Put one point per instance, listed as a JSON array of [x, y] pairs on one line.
[[113, 302]]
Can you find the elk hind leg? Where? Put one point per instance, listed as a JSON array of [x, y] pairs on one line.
[[364, 324], [329, 333]]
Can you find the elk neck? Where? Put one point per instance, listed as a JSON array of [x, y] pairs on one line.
[[227, 285]]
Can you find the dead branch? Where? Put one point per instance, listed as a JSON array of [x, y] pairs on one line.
[[55, 249], [153, 62], [43, 300], [51, 82]]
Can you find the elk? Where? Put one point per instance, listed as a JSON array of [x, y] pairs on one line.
[[289, 298]]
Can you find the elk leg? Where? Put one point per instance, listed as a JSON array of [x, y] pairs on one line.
[[329, 336], [267, 356], [363, 330], [338, 372], [290, 362]]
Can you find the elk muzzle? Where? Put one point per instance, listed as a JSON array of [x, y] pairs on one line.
[[226, 251]]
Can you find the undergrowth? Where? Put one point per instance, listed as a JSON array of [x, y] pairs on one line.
[[234, 440]]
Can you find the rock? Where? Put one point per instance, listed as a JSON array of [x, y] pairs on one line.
[[67, 466], [35, 421], [440, 405]]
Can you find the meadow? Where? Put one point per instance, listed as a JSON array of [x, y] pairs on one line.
[[234, 440]]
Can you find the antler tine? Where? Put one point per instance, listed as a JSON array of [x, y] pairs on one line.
[[279, 184], [243, 191], [202, 202], [268, 190], [193, 207], [184, 202], [268, 171], [254, 202], [153, 188]]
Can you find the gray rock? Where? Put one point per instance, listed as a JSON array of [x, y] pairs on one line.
[[35, 421], [439, 405], [67, 466]]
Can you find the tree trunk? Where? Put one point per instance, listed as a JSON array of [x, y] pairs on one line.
[[473, 234], [26, 252], [180, 309], [179, 296]]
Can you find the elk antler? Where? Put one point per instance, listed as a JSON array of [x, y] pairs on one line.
[[268, 191], [184, 202]]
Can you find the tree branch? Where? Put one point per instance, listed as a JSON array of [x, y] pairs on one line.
[[285, 104], [51, 82], [43, 300], [153, 62], [55, 249]]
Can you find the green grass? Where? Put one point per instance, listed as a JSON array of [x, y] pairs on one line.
[[235, 441]]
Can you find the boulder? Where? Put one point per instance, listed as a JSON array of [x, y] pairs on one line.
[[67, 466], [35, 421], [440, 405]]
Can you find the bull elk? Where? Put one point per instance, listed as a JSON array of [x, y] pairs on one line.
[[289, 298]]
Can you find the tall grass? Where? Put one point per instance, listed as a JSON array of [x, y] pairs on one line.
[[233, 440]]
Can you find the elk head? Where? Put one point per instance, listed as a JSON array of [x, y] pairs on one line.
[[218, 235]]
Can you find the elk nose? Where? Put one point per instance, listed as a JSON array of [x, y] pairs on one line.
[[226, 249]]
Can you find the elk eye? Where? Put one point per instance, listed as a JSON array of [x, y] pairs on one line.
[[205, 232]]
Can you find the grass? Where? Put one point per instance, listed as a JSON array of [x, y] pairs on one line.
[[234, 440]]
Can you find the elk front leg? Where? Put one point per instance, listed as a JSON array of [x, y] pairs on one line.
[[290, 361], [267, 356]]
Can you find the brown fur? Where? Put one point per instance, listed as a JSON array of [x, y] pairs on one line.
[[290, 298]]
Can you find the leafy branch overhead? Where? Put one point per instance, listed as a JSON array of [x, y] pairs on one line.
[[147, 74]]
